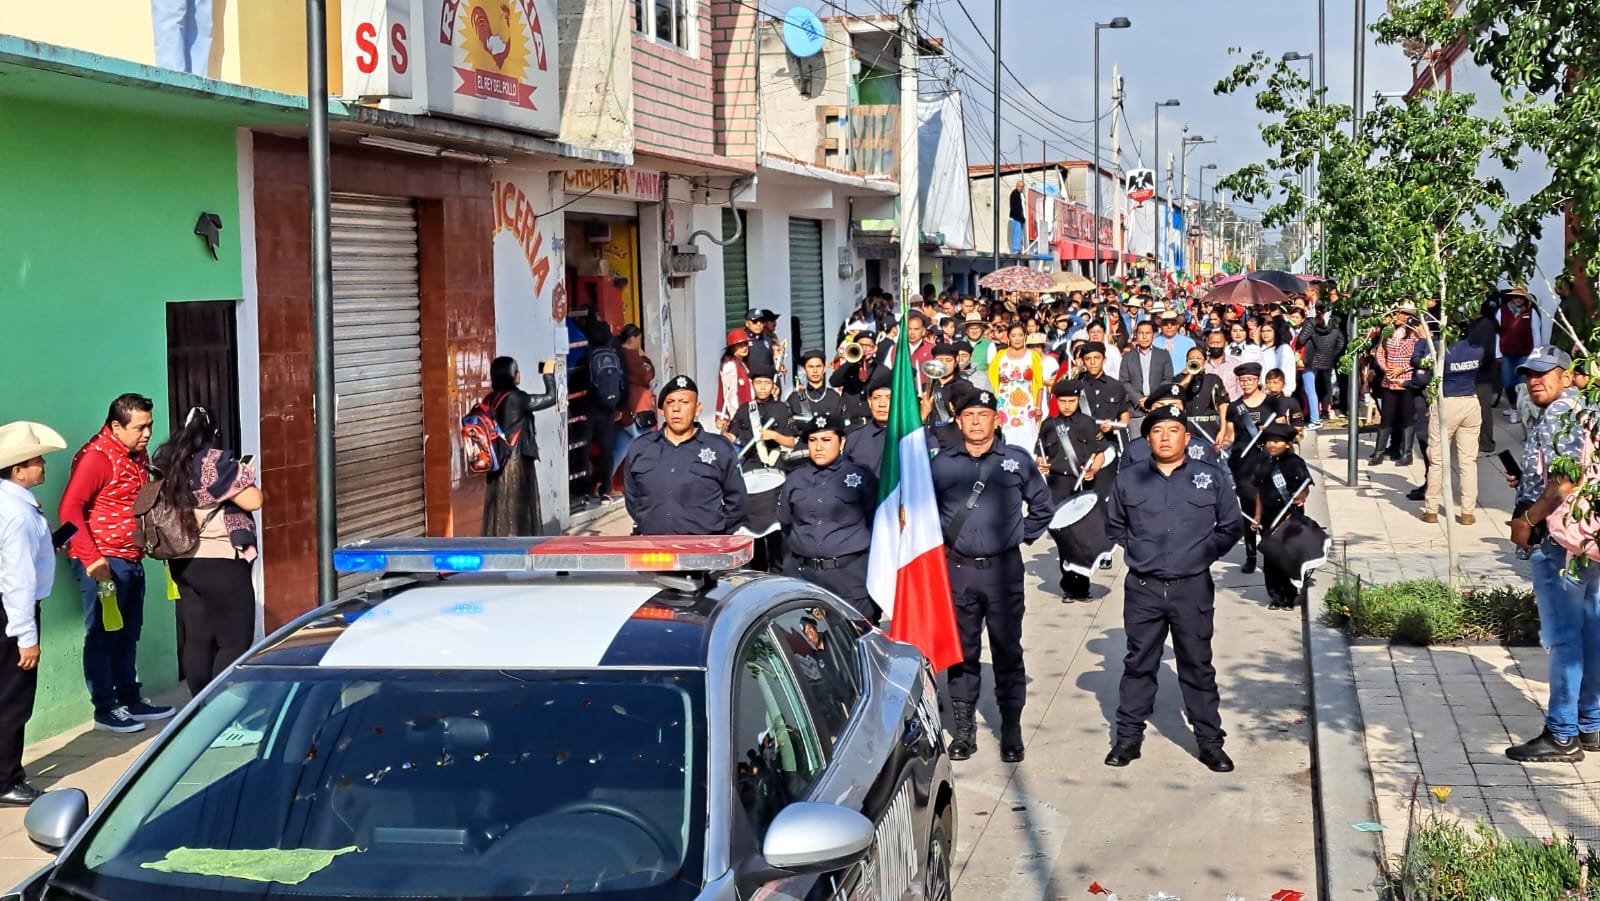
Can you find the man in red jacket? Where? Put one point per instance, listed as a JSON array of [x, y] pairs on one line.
[[1518, 335], [107, 474]]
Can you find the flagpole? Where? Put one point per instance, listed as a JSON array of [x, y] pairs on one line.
[[910, 178]]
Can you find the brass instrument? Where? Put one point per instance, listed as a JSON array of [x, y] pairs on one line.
[[1194, 368], [851, 353], [935, 369]]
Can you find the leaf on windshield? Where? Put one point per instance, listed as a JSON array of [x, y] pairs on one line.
[[286, 866]]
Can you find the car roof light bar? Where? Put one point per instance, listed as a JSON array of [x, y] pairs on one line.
[[560, 553]]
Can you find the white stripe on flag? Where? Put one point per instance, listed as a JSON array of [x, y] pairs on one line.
[[893, 547]]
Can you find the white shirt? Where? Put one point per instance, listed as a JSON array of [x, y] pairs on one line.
[[27, 561], [1283, 359]]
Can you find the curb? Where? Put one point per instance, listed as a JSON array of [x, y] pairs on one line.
[[1349, 861]]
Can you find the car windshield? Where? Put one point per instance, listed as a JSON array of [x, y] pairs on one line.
[[329, 783]]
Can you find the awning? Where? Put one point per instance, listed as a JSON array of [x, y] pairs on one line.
[[1067, 249]]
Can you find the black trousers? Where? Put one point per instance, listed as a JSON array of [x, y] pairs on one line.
[[988, 595], [845, 576], [1150, 609], [603, 432], [217, 608], [17, 689], [1397, 409], [1488, 393]]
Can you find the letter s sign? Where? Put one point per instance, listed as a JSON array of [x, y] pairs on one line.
[[377, 51]]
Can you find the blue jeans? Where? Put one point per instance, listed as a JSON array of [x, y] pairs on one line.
[[1508, 374], [1308, 384], [110, 659], [1016, 236], [1569, 626], [183, 35]]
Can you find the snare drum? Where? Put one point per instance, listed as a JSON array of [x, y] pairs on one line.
[[1074, 508], [761, 481]]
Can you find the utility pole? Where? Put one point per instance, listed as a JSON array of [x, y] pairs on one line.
[[1353, 383], [323, 401], [1094, 166], [997, 83], [910, 180], [1119, 239]]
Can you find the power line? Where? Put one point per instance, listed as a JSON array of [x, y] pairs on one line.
[[1007, 69]]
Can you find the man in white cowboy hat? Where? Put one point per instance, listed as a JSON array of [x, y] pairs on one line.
[[27, 574]]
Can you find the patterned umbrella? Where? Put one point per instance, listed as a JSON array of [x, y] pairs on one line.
[[1248, 292], [1017, 278]]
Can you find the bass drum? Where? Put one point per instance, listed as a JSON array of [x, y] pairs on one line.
[[761, 487]]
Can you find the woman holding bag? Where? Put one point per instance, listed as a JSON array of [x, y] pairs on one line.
[[638, 412], [216, 597]]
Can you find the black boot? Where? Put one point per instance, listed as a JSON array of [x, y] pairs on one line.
[[1074, 587], [1249, 550], [1406, 436], [963, 732], [1011, 750], [1379, 448]]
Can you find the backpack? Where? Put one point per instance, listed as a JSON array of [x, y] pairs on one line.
[[158, 525], [607, 379], [482, 440]]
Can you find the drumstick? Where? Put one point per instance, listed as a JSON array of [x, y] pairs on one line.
[[1289, 506], [754, 441], [1257, 437], [1203, 434]]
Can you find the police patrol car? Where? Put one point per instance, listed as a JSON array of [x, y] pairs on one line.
[[616, 718]]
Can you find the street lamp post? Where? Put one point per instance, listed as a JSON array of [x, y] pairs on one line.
[[1189, 143], [1203, 211], [1161, 219], [1314, 185], [323, 401], [1094, 168]]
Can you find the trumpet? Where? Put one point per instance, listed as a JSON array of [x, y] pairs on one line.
[[851, 353], [935, 369], [1193, 368]]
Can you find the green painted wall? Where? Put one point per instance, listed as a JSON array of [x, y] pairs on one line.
[[97, 213]]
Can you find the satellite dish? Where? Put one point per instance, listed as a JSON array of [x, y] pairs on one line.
[[802, 32]]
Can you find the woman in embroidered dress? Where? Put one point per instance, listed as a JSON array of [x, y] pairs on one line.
[[1018, 378]]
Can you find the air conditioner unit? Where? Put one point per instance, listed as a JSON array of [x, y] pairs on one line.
[[597, 232]]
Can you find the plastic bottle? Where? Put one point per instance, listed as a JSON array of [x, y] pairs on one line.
[[110, 613]]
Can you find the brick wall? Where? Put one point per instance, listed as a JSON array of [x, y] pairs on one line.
[[734, 98], [672, 94], [455, 220]]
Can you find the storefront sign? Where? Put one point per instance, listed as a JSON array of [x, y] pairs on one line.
[[616, 184], [488, 60]]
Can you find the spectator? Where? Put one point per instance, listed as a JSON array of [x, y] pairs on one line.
[[1518, 332], [1569, 610], [1324, 345], [27, 574], [1019, 216], [733, 383], [107, 474], [1395, 356], [641, 375], [1484, 332], [511, 493], [1176, 345], [1463, 419], [605, 401], [216, 599], [1276, 353], [1145, 367]]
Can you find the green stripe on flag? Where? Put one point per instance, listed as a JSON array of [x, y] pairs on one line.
[[905, 414]]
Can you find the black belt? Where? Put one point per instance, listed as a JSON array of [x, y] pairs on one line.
[[826, 562], [1152, 577], [976, 562]]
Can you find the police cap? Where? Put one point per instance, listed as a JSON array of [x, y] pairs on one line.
[[674, 385], [809, 355], [1067, 388], [944, 349], [1166, 391], [1278, 431], [970, 399], [824, 422], [1092, 347], [1244, 369], [1162, 414], [882, 380], [762, 371]]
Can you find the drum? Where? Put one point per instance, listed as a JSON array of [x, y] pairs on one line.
[[760, 481], [1111, 454], [1073, 509], [761, 488]]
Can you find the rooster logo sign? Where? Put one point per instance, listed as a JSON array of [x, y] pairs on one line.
[[499, 42]]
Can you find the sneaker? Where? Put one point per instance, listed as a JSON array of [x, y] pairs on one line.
[[117, 719], [1546, 748], [1590, 741], [145, 712], [1313, 426], [1513, 415]]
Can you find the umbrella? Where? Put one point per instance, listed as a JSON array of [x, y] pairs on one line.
[[1248, 292], [1286, 282], [1017, 278], [1072, 281]]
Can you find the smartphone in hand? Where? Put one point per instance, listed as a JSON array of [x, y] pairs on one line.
[[247, 459], [1513, 468], [60, 537]]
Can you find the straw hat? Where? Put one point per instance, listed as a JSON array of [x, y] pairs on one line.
[[22, 440]]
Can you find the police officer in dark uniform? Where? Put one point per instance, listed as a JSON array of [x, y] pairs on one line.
[[759, 324], [682, 479], [1172, 394], [1174, 516], [826, 509], [865, 447], [982, 484], [1105, 399]]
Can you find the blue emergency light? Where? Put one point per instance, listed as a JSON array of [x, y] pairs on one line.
[[560, 553]]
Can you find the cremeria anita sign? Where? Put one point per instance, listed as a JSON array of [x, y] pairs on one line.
[[487, 60]]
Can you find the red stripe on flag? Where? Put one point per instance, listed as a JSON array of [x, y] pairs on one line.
[[923, 613]]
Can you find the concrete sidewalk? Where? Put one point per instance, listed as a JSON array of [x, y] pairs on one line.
[[1441, 718]]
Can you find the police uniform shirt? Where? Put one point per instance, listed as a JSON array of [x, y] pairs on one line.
[[1078, 431], [1199, 449], [1277, 481], [996, 524], [1173, 526], [693, 488], [826, 511], [768, 411], [761, 358], [806, 402], [863, 445], [1104, 398]]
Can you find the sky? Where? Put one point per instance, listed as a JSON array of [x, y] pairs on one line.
[[1175, 49]]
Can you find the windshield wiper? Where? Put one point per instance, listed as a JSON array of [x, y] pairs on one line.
[[74, 891]]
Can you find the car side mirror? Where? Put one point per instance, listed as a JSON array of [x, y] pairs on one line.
[[808, 837], [55, 816]]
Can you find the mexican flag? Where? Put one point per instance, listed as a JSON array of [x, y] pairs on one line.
[[906, 574]]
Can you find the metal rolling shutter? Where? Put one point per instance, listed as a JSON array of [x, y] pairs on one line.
[[805, 283], [735, 272], [377, 350]]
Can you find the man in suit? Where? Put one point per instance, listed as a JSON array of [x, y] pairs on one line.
[[1145, 366]]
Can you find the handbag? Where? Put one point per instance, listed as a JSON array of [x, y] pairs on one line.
[[1575, 523]]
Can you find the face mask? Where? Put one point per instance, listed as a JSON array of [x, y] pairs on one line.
[[1215, 353]]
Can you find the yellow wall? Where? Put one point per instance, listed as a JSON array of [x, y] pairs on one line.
[[119, 28]]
